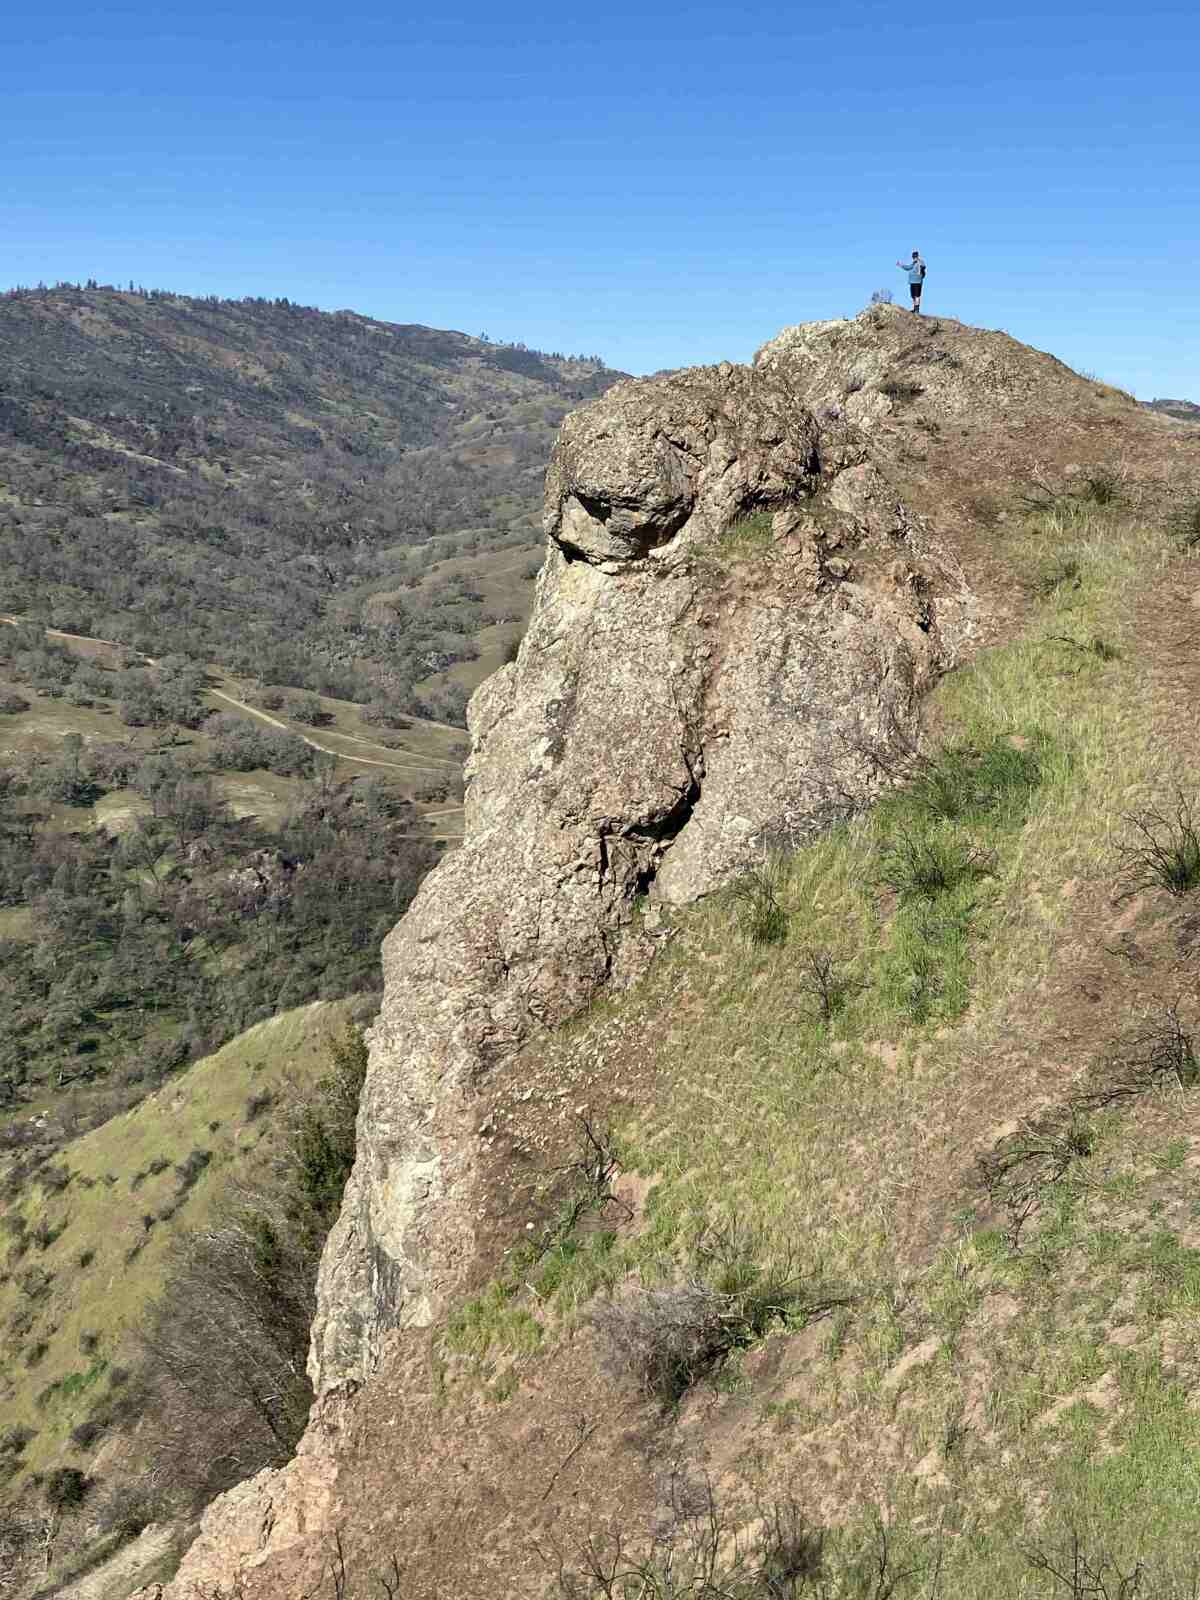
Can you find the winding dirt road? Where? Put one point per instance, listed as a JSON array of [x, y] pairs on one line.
[[417, 764]]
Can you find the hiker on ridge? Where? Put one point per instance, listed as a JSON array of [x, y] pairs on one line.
[[916, 278]]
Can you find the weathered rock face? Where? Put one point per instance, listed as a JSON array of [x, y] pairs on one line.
[[685, 697]]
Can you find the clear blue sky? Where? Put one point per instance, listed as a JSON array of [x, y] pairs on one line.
[[659, 183]]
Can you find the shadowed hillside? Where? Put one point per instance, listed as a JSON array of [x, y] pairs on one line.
[[120, 1290]]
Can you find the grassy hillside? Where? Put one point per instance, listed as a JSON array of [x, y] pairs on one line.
[[889, 1243], [86, 1238], [315, 499]]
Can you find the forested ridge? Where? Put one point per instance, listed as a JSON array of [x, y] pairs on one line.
[[267, 485]]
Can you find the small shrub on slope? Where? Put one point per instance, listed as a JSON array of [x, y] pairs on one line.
[[923, 863], [761, 915], [1102, 488], [1162, 850], [66, 1488], [1185, 526], [967, 785], [1058, 575]]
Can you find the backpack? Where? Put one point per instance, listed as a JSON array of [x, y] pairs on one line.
[[922, 272]]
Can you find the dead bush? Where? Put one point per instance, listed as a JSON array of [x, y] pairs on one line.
[[1159, 1052], [1024, 1166], [671, 1337], [666, 1337], [1162, 849], [825, 985], [224, 1356], [702, 1551], [1087, 1571]]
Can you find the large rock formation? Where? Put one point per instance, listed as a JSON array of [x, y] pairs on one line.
[[690, 692], [685, 698]]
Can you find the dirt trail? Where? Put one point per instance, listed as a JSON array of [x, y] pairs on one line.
[[275, 722]]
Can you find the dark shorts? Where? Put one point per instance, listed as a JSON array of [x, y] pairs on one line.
[[915, 290]]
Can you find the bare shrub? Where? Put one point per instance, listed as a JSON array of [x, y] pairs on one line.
[[223, 1386], [704, 1552], [1102, 487], [824, 984], [1087, 1573], [1159, 1052], [666, 1337], [670, 1337], [1022, 1167], [1097, 648], [1162, 850]]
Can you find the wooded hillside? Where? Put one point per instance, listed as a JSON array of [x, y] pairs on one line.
[[269, 485]]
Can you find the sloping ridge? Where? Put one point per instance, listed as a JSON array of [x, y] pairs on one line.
[[753, 576]]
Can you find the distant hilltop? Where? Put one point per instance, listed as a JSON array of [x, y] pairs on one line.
[[1181, 410]]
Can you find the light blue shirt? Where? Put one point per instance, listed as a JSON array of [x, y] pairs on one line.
[[915, 271]]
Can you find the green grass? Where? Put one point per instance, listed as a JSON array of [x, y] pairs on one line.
[[490, 1321], [103, 1263], [748, 536]]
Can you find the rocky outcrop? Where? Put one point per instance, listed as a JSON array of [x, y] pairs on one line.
[[690, 692]]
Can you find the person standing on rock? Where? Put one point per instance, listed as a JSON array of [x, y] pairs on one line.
[[916, 278]]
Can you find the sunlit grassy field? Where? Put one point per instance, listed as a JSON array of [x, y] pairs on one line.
[[84, 1244]]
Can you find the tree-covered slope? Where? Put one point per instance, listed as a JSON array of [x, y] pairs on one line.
[[239, 481]]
